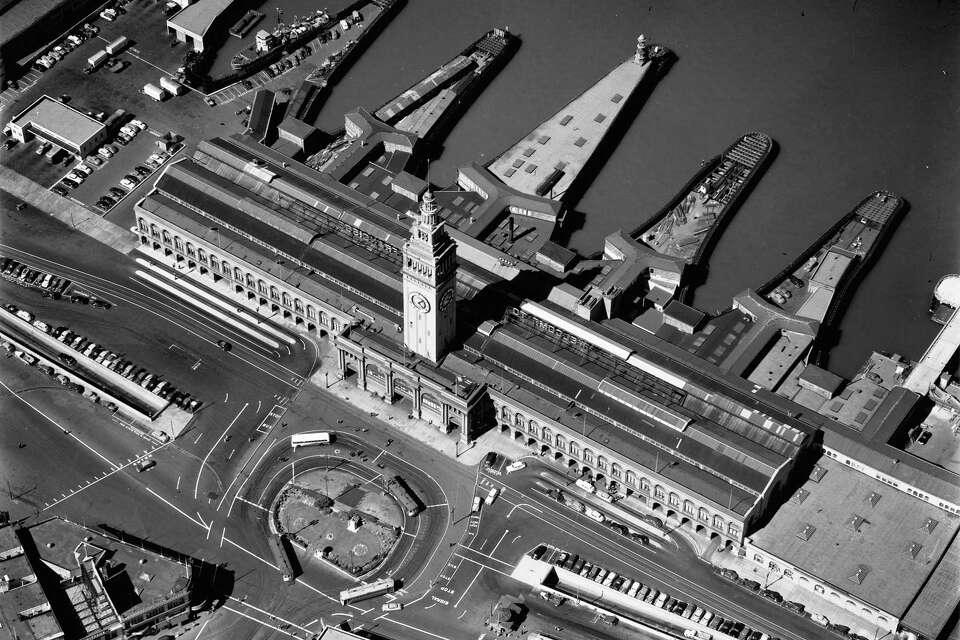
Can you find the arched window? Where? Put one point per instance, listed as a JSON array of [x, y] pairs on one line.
[[191, 251], [262, 287], [547, 435], [533, 428], [505, 414], [631, 478], [251, 282], [561, 442], [733, 529], [718, 523], [202, 256], [644, 485], [142, 224], [298, 305], [602, 463], [703, 515], [588, 456], [518, 420], [574, 448], [178, 243], [237, 274], [659, 492], [616, 470], [311, 312], [225, 268], [166, 236], [154, 231], [674, 499], [285, 298], [214, 263], [274, 292], [688, 507]]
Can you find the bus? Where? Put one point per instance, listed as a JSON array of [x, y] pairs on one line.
[[367, 591], [305, 439], [281, 555], [396, 487]]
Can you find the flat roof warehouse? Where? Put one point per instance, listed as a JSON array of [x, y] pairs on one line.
[[66, 126]]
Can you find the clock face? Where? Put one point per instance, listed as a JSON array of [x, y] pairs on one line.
[[420, 302], [446, 300]]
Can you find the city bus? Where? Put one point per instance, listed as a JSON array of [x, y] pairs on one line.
[[281, 555], [305, 439], [367, 591], [396, 487]]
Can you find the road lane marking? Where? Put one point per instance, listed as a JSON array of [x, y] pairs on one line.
[[267, 613], [196, 488], [252, 504], [494, 550], [266, 624], [202, 627], [408, 626], [177, 509], [243, 484], [464, 594]]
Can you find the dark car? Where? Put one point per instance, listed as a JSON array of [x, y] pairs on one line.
[[141, 171], [66, 359], [117, 192], [640, 537], [60, 191], [753, 585], [100, 304], [223, 344], [538, 552], [924, 437], [796, 607], [490, 459], [103, 206], [769, 594]]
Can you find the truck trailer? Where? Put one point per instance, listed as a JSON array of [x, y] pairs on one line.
[[96, 61], [117, 45], [171, 85], [155, 92]]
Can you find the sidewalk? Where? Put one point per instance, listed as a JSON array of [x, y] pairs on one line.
[[751, 570], [397, 417], [67, 211]]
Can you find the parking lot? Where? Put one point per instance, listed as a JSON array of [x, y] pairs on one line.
[[111, 172]]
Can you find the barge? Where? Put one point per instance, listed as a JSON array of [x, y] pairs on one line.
[[688, 225], [812, 285]]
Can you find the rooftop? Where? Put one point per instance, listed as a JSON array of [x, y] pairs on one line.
[[862, 536], [151, 575], [59, 120], [199, 17], [547, 161]]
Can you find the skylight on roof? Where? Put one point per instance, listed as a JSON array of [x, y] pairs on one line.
[[859, 574], [855, 522], [873, 498], [914, 548], [806, 531], [800, 496], [816, 475], [929, 524]]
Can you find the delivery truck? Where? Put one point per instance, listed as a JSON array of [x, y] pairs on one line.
[[155, 92]]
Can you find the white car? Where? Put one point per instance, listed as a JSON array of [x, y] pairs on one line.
[[84, 169], [79, 176], [603, 495], [476, 504], [593, 514], [138, 124], [105, 152], [585, 485], [492, 495], [516, 466], [127, 183], [392, 606]]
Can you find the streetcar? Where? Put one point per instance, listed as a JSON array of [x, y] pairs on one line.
[[367, 591]]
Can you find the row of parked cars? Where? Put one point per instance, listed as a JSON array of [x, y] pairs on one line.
[[48, 284], [635, 589], [32, 360], [118, 364], [60, 50], [796, 607]]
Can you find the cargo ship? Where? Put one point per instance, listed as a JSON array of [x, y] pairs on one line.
[[688, 225], [814, 285]]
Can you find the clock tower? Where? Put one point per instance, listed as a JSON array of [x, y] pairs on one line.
[[429, 282]]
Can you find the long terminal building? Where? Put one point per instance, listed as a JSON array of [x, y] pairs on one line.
[[453, 303]]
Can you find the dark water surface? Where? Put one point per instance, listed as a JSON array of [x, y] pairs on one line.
[[859, 96]]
